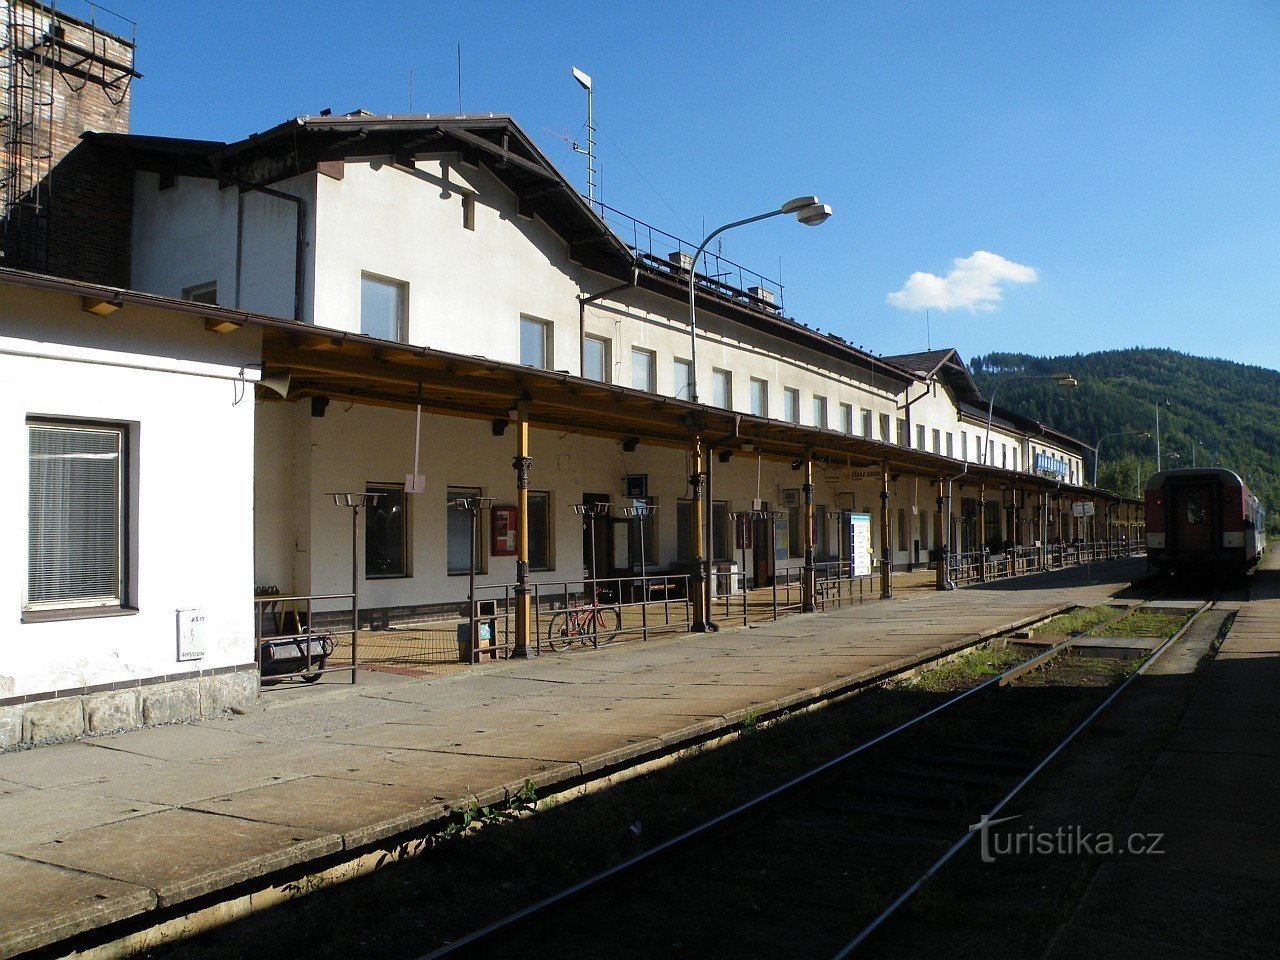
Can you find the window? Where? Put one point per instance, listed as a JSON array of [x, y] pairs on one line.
[[595, 359], [951, 444], [202, 293], [1015, 458], [795, 531], [683, 387], [382, 307], [722, 388], [643, 370], [759, 397], [964, 445], [1004, 456], [386, 539], [820, 412], [720, 540], [902, 529], [468, 211], [920, 436], [991, 452], [76, 509], [820, 543], [791, 404], [866, 423], [937, 441], [535, 343], [846, 417], [459, 546], [884, 427], [540, 556], [904, 438]]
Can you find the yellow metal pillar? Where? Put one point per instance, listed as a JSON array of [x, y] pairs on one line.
[[886, 548], [809, 586], [522, 463], [698, 584]]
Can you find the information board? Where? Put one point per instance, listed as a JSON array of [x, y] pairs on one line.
[[860, 543]]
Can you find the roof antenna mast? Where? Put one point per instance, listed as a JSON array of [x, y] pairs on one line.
[[585, 82]]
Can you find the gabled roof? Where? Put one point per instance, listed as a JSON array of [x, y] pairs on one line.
[[302, 144], [947, 365]]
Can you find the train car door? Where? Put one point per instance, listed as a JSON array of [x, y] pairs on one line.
[[1193, 518]]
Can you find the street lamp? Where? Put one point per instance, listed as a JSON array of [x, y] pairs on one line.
[[806, 209], [1064, 380], [474, 506], [1161, 403], [355, 502], [640, 511], [1097, 447], [590, 512]]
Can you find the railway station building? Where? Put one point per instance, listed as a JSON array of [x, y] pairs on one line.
[[423, 309]]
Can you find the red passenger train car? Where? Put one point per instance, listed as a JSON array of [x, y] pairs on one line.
[[1203, 521]]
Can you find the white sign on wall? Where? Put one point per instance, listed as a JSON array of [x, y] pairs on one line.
[[860, 543], [1083, 509], [190, 634]]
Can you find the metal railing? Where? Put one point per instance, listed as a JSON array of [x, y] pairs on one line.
[[290, 645], [979, 566], [720, 274]]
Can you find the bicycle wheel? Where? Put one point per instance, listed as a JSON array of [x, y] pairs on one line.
[[606, 623], [560, 633]]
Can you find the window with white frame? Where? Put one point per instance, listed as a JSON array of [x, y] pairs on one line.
[[951, 444], [77, 504], [461, 548], [595, 359], [866, 423], [722, 388], [383, 307], [904, 435], [791, 404], [964, 445], [643, 370], [535, 343], [202, 293], [846, 417], [920, 437], [682, 388], [541, 556], [937, 441], [759, 397], [820, 411], [884, 427]]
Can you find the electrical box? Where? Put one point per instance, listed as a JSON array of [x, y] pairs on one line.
[[191, 624]]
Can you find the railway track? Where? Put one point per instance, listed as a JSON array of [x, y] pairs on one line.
[[816, 866]]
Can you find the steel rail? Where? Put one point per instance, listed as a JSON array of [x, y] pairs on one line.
[[956, 847], [547, 903]]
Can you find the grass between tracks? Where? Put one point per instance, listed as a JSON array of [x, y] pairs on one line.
[[472, 877], [1076, 621]]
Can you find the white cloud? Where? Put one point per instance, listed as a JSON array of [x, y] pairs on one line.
[[975, 283]]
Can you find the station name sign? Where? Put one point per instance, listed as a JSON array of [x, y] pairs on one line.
[[1048, 463]]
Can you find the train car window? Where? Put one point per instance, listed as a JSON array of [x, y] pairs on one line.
[[1195, 508]]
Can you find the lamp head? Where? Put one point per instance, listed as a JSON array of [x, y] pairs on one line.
[[1065, 380], [582, 78], [808, 210]]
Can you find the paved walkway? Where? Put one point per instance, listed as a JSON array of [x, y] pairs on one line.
[[110, 829], [1214, 794]]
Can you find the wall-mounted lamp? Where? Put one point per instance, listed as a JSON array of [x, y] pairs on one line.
[[278, 383], [499, 426], [797, 464], [748, 447], [318, 406], [99, 307], [725, 456], [629, 445]]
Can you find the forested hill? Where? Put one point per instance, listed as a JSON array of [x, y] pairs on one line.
[[1230, 412]]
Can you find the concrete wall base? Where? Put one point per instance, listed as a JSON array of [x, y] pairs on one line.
[[113, 711]]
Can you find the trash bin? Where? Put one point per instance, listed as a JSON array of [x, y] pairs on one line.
[[464, 638]]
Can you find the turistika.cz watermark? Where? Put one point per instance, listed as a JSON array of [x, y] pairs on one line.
[[1065, 841]]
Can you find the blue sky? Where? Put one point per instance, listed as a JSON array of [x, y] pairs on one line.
[[1121, 161]]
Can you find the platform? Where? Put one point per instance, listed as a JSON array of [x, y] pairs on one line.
[[157, 821], [1213, 793]]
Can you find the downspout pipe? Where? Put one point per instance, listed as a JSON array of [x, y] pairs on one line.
[[583, 300]]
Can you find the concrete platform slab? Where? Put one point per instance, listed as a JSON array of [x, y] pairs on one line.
[[28, 817], [182, 854], [45, 903], [180, 742], [67, 763]]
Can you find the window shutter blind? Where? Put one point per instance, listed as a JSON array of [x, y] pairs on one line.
[[75, 514]]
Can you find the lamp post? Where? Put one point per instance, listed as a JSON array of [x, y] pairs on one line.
[[640, 511], [355, 502], [1162, 403], [589, 512], [1064, 380], [1097, 447], [806, 209], [474, 506]]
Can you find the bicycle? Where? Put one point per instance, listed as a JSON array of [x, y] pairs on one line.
[[584, 624]]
